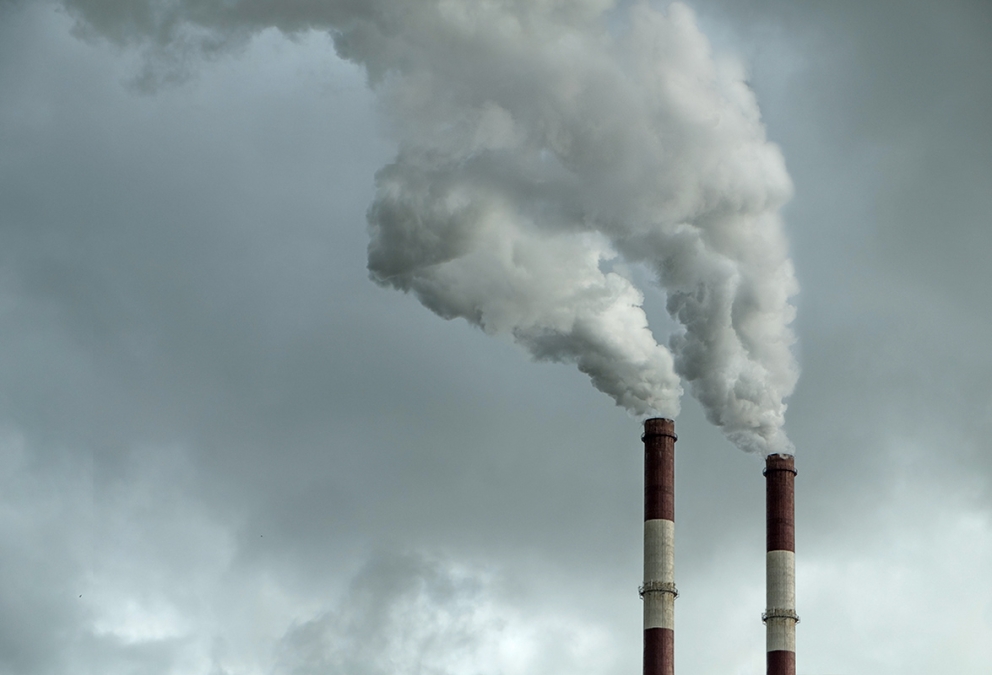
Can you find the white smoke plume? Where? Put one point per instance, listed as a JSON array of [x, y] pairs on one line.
[[539, 140]]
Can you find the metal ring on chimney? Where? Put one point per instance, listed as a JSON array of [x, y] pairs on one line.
[[658, 587], [659, 434], [779, 614], [792, 470]]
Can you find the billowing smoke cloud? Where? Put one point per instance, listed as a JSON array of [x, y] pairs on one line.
[[540, 140]]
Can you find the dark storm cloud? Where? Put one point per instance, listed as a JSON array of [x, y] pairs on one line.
[[889, 148], [878, 108], [174, 297]]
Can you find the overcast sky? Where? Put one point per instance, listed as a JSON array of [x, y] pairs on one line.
[[224, 450]]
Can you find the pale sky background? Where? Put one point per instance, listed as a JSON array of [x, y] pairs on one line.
[[226, 451]]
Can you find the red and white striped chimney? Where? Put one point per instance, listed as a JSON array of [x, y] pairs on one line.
[[658, 590], [780, 564]]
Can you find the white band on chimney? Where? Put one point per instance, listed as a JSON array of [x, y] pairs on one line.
[[659, 550], [781, 634], [780, 569], [659, 610], [659, 574], [780, 617]]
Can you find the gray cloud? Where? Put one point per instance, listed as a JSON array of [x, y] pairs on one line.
[[406, 613]]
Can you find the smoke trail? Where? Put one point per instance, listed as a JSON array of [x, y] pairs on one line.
[[538, 140]]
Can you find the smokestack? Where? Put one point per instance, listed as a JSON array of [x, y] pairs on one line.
[[780, 564], [658, 590]]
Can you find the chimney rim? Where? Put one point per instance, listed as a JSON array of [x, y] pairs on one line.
[[780, 462], [659, 426]]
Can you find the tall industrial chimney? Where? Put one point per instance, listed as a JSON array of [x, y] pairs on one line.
[[780, 564], [658, 590]]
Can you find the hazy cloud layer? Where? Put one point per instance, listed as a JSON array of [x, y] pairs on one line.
[[410, 614]]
